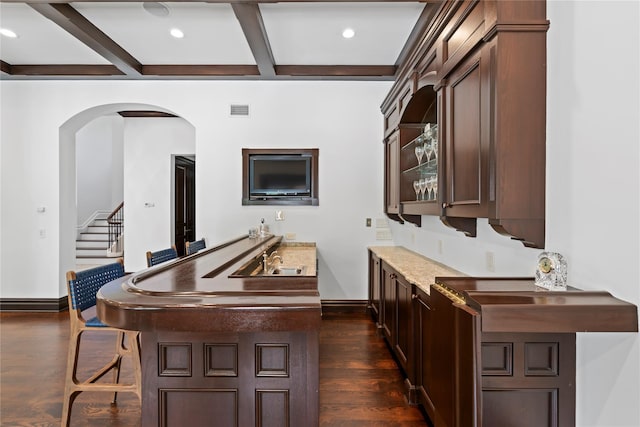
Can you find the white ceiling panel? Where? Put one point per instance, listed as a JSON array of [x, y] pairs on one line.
[[40, 41], [311, 33], [212, 34]]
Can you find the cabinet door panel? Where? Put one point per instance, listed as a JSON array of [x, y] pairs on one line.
[[423, 352], [374, 286], [388, 305], [392, 175], [403, 323], [468, 382], [466, 139]]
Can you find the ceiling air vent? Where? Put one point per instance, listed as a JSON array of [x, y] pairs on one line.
[[238, 110]]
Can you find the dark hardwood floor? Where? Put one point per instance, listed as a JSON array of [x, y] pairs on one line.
[[360, 384]]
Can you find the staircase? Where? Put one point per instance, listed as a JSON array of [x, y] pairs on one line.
[[92, 245]]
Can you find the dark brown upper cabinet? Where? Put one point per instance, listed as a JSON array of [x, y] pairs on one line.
[[479, 74]]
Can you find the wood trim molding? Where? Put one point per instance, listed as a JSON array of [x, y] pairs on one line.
[[336, 70], [5, 67], [344, 306], [200, 70], [64, 70], [141, 113], [34, 304]]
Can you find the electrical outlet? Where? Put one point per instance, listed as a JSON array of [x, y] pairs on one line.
[[279, 216], [368, 222], [290, 236], [491, 263], [440, 248]]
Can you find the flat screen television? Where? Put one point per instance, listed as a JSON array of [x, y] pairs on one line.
[[279, 176]]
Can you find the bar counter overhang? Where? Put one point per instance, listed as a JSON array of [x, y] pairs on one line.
[[242, 350]]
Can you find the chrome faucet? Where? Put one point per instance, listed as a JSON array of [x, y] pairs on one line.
[[268, 260]]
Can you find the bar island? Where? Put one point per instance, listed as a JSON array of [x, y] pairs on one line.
[[222, 339]]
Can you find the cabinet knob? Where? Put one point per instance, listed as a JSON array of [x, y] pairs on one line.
[[445, 205], [414, 296]]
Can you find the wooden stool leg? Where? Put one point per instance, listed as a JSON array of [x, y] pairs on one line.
[[120, 350], [134, 347], [70, 391]]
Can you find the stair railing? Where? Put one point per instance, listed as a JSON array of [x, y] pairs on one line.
[[116, 226]]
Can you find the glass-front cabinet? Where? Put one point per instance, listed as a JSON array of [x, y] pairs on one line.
[[418, 155], [419, 168]]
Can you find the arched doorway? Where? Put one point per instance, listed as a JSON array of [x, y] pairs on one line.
[[68, 179]]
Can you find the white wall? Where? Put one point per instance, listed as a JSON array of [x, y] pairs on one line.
[[592, 201], [593, 195], [342, 119], [99, 166], [149, 146]]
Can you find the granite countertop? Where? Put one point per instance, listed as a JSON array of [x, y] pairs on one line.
[[299, 253], [417, 269]]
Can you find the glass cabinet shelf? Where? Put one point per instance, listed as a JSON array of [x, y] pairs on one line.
[[423, 170]]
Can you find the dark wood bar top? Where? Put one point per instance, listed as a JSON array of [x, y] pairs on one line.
[[517, 305], [195, 293]]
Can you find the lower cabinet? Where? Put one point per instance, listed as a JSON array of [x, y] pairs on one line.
[[423, 368], [374, 287], [461, 376], [403, 345], [388, 303], [391, 302]]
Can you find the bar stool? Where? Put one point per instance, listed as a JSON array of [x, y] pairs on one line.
[[82, 287], [163, 255], [195, 246]]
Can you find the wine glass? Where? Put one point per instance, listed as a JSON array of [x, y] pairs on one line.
[[419, 153], [426, 148], [434, 135], [423, 186], [429, 185], [416, 188], [427, 130], [435, 187]]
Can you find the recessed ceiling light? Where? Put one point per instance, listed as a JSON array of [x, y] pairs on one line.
[[348, 33], [177, 33], [156, 9], [8, 33]]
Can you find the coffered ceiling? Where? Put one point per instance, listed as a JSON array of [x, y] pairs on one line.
[[222, 40]]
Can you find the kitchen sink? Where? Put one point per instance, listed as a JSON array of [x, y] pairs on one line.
[[289, 271]]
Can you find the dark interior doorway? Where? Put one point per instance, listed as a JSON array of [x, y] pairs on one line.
[[185, 202]]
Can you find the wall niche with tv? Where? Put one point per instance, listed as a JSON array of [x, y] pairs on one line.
[[280, 176]]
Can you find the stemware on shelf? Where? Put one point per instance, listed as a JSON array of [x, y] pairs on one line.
[[429, 185], [434, 139], [426, 148], [435, 187], [416, 188], [419, 153], [423, 186]]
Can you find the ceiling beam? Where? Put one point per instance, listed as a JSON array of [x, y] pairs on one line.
[[5, 68], [250, 19], [78, 26], [336, 70], [64, 70], [200, 70]]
